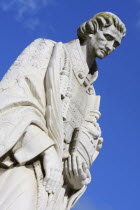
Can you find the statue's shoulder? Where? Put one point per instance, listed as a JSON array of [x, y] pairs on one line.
[[45, 45], [41, 42]]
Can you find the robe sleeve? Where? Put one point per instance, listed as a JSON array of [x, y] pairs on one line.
[[33, 142], [23, 129]]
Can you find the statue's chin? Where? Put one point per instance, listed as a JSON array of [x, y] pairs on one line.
[[101, 55]]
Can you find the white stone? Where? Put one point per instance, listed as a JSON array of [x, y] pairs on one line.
[[49, 135]]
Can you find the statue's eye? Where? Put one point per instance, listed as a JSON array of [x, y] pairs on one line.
[[108, 37], [116, 44]]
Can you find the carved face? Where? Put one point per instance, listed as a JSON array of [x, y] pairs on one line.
[[104, 42]]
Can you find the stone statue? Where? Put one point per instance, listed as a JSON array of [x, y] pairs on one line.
[[49, 135]]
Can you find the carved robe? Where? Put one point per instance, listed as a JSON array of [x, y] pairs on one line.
[[39, 108]]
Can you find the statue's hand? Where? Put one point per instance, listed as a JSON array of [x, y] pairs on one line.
[[53, 170], [76, 171]]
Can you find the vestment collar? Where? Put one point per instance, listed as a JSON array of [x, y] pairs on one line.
[[80, 67]]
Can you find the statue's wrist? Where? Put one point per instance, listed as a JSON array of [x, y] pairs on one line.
[[48, 150]]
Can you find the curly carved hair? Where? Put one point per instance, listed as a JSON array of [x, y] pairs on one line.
[[98, 22]]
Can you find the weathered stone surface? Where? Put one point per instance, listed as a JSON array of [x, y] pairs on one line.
[[49, 135]]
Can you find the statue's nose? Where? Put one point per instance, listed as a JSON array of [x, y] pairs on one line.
[[109, 46]]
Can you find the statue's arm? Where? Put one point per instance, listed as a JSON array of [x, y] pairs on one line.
[[23, 103], [85, 145], [76, 172], [31, 144], [89, 136], [52, 165], [36, 142], [24, 134]]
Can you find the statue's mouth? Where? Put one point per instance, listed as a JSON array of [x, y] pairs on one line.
[[104, 52]]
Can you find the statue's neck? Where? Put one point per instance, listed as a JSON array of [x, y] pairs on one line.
[[81, 50], [90, 57], [78, 57]]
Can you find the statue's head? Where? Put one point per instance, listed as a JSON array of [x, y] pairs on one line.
[[102, 33]]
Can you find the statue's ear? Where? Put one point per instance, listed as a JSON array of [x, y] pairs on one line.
[[90, 35]]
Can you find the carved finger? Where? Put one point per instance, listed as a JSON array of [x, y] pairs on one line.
[[47, 189], [50, 197], [86, 181], [66, 169], [54, 183], [54, 178], [51, 181], [57, 179], [45, 182], [79, 165], [49, 186], [88, 175], [85, 167], [58, 182], [74, 165], [70, 167], [81, 173]]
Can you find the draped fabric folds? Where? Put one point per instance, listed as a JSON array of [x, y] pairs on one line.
[[30, 96]]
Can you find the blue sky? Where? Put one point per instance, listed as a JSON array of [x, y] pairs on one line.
[[116, 174]]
